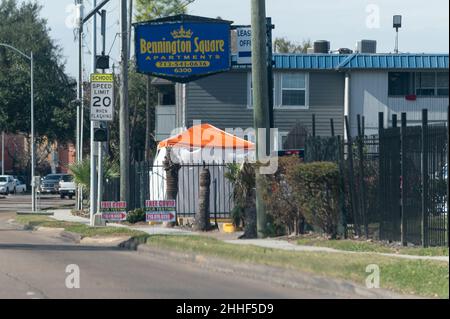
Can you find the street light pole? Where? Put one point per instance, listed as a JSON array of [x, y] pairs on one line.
[[33, 151], [93, 155], [33, 160], [3, 152]]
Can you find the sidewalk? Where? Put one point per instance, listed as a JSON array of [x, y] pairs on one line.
[[65, 215], [285, 245]]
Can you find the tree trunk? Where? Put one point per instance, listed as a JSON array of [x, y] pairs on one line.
[[172, 170], [202, 219]]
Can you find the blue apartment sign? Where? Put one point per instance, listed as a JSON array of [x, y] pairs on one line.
[[183, 48]]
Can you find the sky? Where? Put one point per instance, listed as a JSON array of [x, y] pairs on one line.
[[343, 22]]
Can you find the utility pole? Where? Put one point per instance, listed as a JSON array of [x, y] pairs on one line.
[[124, 112], [93, 155], [260, 99], [80, 97]]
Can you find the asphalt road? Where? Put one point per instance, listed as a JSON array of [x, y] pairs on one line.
[[33, 265], [13, 203]]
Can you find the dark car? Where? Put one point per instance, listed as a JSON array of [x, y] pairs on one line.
[[50, 183]]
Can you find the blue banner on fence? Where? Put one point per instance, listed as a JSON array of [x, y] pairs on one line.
[[183, 51]]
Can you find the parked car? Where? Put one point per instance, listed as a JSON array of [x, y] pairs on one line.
[[67, 187], [20, 187], [7, 184], [50, 183]]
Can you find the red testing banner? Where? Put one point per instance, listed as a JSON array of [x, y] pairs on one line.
[[113, 211], [161, 210]]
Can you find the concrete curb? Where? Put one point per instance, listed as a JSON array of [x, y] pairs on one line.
[[39, 213], [76, 238], [280, 276]]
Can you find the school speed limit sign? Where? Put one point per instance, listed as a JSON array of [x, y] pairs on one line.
[[102, 97]]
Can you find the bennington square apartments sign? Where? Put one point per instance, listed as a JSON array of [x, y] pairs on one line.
[[183, 48]]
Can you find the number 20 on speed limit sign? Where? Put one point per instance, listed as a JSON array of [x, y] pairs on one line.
[[102, 97]]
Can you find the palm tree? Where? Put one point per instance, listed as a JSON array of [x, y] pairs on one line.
[[81, 172], [242, 176]]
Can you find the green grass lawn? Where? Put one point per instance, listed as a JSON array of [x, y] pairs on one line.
[[83, 230], [363, 246], [424, 278]]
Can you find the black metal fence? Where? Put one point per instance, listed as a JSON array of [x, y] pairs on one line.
[[413, 183], [148, 182], [395, 184]]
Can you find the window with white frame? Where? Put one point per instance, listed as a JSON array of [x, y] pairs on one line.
[[250, 90], [294, 90]]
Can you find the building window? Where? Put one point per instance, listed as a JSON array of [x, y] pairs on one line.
[[250, 91], [400, 83], [432, 84], [442, 83], [166, 95], [418, 83], [294, 90], [425, 83]]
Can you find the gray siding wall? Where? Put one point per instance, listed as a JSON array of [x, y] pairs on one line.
[[222, 100], [326, 101]]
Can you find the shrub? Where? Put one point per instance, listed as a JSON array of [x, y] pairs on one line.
[[136, 216], [317, 190], [282, 205]]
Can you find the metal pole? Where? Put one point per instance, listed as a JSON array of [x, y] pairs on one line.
[[124, 112], [396, 40], [33, 152], [347, 103], [270, 71], [404, 185], [425, 185], [100, 176], [3, 153], [93, 159], [260, 99], [314, 125], [100, 144], [130, 20], [79, 109]]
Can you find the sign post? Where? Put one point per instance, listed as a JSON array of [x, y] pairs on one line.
[[113, 211], [161, 211]]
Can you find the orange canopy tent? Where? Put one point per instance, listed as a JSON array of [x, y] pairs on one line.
[[206, 135]]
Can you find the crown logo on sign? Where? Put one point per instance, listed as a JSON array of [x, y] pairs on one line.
[[182, 34]]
